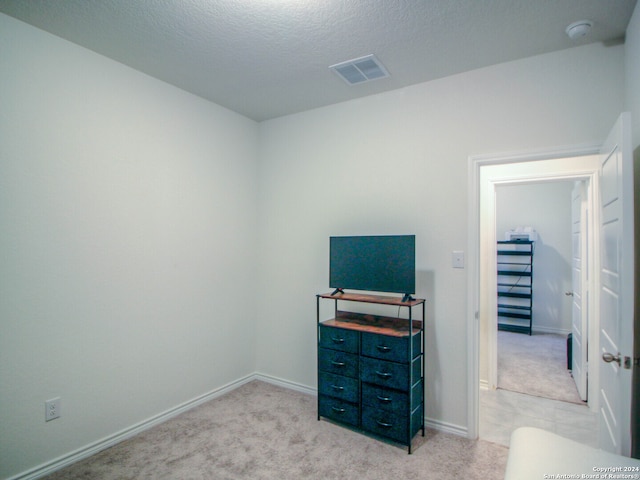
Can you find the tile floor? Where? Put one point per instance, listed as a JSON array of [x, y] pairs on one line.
[[502, 411]]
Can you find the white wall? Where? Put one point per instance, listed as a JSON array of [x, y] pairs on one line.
[[547, 208], [127, 232], [397, 163]]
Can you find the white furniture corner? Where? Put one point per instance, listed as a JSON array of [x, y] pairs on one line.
[[538, 454]]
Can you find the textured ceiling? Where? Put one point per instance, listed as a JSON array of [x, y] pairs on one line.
[[267, 58]]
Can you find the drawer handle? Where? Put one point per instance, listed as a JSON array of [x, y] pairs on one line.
[[337, 340], [384, 425], [337, 387], [384, 399], [338, 364], [338, 410], [383, 348], [384, 375]]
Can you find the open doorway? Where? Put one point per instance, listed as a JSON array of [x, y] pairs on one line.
[[537, 362], [488, 174]]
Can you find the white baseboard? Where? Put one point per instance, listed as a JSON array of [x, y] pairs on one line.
[[95, 447], [446, 427], [298, 387], [557, 331]]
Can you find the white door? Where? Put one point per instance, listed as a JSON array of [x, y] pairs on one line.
[[616, 289], [579, 310]]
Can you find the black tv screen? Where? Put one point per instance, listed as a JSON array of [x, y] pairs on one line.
[[383, 263]]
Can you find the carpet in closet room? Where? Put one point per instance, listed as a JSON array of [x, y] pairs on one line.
[[536, 365]]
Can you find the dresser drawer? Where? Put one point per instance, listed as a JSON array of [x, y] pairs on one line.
[[341, 363], [384, 398], [385, 374], [337, 386], [392, 400], [339, 339], [387, 424], [401, 428], [385, 347], [338, 410]]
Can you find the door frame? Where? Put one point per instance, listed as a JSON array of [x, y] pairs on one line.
[[481, 305]]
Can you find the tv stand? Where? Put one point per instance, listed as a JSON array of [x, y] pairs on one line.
[[407, 298], [336, 291], [371, 366]]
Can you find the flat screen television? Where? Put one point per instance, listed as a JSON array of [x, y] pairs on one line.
[[380, 263]]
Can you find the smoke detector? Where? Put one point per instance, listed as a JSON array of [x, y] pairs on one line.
[[579, 29], [360, 70]]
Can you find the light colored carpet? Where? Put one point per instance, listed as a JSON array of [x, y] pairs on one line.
[[536, 365], [261, 431]]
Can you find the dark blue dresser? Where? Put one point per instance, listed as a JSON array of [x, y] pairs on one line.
[[371, 366]]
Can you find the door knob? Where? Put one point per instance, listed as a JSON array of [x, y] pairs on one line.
[[569, 294], [609, 357]]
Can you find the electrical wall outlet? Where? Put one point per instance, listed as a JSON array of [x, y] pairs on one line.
[[52, 409]]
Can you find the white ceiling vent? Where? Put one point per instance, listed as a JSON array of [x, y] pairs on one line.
[[360, 70]]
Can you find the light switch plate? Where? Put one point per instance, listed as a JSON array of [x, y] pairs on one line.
[[457, 259]]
